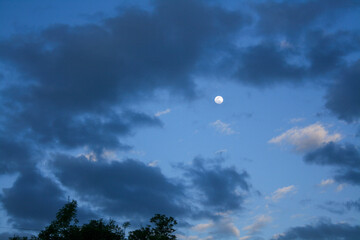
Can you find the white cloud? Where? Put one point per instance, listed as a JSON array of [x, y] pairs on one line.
[[158, 114], [153, 163], [230, 226], [281, 192], [91, 156], [245, 238], [222, 227], [278, 235], [183, 237], [326, 182], [296, 120], [260, 222], [340, 187], [107, 154], [285, 44], [222, 127], [295, 216], [307, 138], [202, 226], [221, 151]]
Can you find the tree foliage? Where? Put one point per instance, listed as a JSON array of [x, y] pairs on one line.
[[163, 229], [66, 227]]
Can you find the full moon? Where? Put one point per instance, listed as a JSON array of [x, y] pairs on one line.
[[219, 99]]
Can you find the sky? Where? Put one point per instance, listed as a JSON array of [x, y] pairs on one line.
[[111, 103]]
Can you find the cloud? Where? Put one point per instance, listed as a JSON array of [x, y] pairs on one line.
[[221, 151], [245, 237], [340, 187], [307, 138], [319, 56], [15, 155], [343, 97], [182, 237], [326, 182], [260, 222], [158, 114], [353, 205], [265, 64], [222, 127], [326, 52], [292, 19], [221, 188], [281, 192], [296, 120], [33, 201], [341, 207], [153, 163], [344, 157], [76, 82], [323, 230], [227, 228], [128, 188], [285, 44], [104, 66], [222, 228], [203, 226], [43, 199]]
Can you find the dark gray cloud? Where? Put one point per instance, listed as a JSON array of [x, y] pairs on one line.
[[221, 188], [345, 157], [326, 52], [341, 208], [128, 188], [343, 97], [318, 58], [303, 24], [323, 230], [91, 66], [77, 86], [72, 78], [266, 64], [293, 18], [353, 205], [75, 82], [32, 201], [15, 155], [7, 235]]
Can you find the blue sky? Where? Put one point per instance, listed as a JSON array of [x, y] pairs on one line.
[[112, 104]]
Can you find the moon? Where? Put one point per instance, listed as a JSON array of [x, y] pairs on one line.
[[219, 99]]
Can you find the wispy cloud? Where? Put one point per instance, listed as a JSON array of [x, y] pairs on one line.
[[224, 226], [166, 111], [340, 187], [259, 223], [281, 192], [183, 237], [202, 226], [153, 163], [245, 238], [326, 182], [221, 151], [285, 44], [296, 120], [307, 138], [222, 127]]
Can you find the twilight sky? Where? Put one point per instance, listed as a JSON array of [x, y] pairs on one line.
[[112, 104]]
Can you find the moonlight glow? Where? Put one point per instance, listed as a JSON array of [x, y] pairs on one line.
[[219, 99]]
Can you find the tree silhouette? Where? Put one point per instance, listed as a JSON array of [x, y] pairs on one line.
[[65, 227], [163, 229]]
